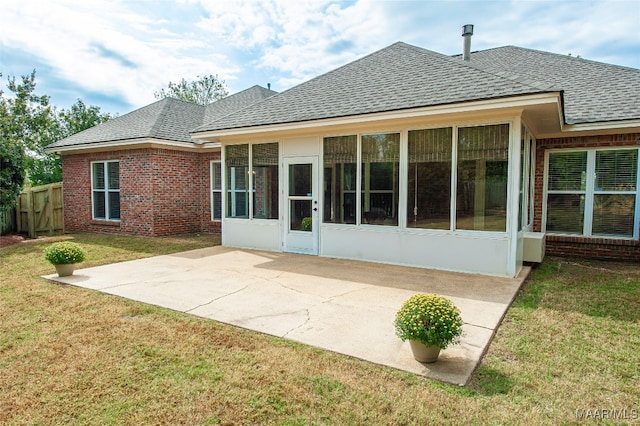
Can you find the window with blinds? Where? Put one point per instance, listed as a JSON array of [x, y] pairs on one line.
[[482, 171], [264, 161], [105, 189], [340, 159], [592, 192], [429, 178]]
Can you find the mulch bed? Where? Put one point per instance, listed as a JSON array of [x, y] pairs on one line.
[[7, 240]]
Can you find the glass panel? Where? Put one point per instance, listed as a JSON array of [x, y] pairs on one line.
[[114, 205], [613, 215], [300, 215], [114, 175], [481, 193], [380, 176], [565, 213], [99, 205], [237, 167], [237, 194], [616, 170], [340, 157], [568, 171], [265, 180], [429, 179], [98, 176], [216, 199], [300, 180]]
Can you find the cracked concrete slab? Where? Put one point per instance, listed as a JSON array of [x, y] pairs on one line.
[[309, 299]]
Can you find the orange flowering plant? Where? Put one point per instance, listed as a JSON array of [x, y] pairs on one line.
[[429, 319], [64, 252]]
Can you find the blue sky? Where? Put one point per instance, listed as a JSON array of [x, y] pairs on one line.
[[117, 53]]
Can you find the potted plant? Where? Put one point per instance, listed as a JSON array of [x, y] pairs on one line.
[[430, 322], [307, 223], [64, 255]]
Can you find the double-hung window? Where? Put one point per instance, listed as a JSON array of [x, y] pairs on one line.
[[592, 192], [216, 190], [105, 190]]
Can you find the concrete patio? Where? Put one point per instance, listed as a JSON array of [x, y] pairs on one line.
[[340, 305]]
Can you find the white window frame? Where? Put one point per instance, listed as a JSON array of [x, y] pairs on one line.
[[105, 191], [229, 186], [590, 192], [216, 178]]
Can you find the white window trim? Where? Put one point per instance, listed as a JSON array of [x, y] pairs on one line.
[[250, 191], [105, 191], [213, 190], [589, 193]]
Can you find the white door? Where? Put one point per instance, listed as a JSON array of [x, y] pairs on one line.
[[301, 211]]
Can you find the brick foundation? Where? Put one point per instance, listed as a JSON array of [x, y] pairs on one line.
[[595, 248]]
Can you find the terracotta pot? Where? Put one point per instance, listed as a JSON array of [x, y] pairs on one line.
[[65, 269], [424, 353]]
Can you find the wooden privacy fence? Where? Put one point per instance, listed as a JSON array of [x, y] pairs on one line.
[[40, 210]]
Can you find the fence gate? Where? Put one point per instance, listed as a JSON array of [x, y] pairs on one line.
[[40, 210]]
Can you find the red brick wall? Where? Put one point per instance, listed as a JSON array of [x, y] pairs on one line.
[[162, 192], [602, 248]]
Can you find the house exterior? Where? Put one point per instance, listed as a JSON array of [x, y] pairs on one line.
[[143, 174], [405, 156]]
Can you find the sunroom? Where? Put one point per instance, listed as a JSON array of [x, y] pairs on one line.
[[449, 196]]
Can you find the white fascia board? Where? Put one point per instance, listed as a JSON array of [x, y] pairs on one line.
[[467, 107], [132, 144], [601, 126]]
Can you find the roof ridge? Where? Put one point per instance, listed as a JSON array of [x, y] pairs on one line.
[[502, 74], [164, 113], [556, 55]]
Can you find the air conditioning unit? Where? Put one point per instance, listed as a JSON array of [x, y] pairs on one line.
[[533, 250]]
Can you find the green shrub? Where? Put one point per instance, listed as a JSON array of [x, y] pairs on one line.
[[64, 252], [429, 319]]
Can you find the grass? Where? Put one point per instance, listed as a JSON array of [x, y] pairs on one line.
[[74, 356]]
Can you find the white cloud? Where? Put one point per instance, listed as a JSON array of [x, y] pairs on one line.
[[107, 47], [130, 49]]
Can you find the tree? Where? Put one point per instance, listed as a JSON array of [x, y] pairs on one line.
[[27, 125], [206, 89], [24, 118], [46, 168]]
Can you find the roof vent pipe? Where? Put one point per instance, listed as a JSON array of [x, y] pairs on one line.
[[467, 32]]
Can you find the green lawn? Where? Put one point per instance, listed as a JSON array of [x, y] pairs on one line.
[[69, 355]]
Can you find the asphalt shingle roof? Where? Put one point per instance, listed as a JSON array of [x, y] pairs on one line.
[[593, 91], [167, 119], [398, 77]]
